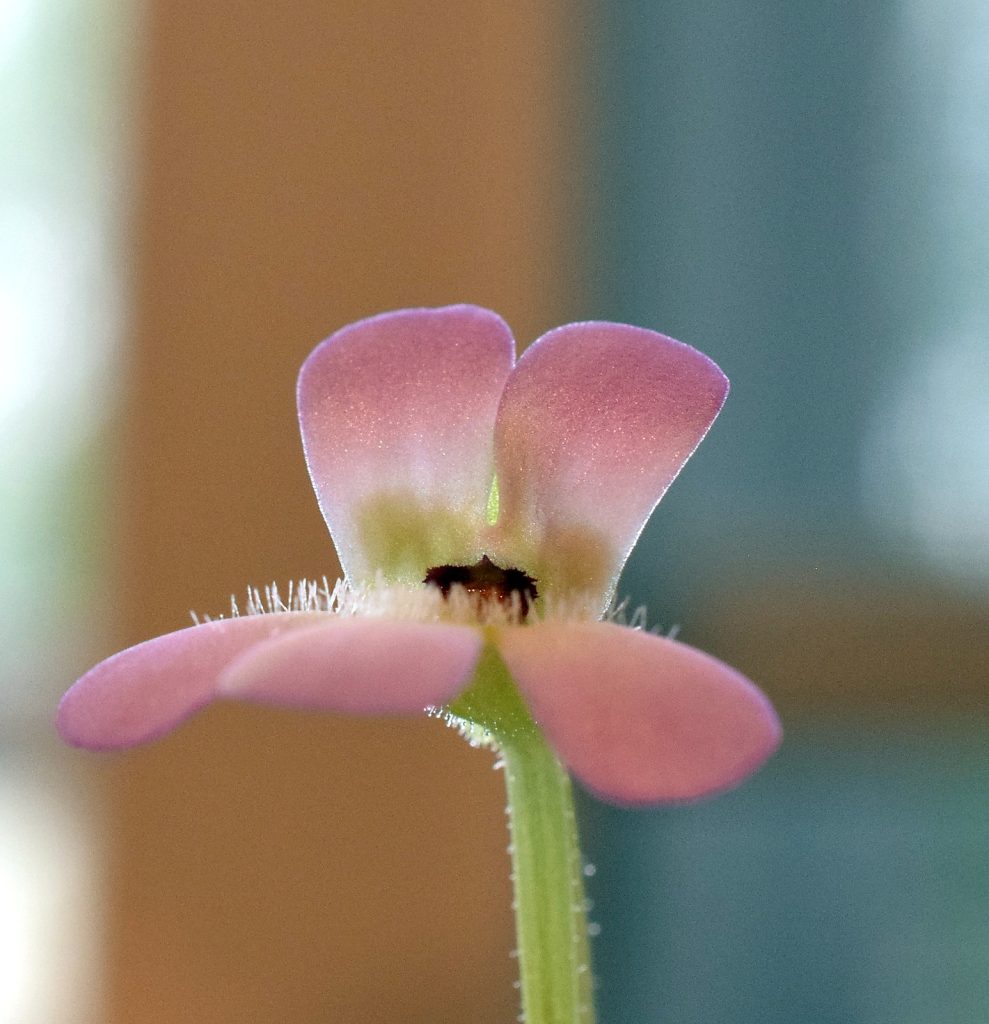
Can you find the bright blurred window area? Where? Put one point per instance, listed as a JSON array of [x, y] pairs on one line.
[[64, 99], [926, 467]]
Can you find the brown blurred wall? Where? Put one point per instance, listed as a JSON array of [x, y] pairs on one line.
[[302, 165]]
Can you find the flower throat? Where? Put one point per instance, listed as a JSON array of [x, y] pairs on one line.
[[488, 582]]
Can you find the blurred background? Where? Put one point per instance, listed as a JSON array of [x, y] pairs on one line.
[[191, 196]]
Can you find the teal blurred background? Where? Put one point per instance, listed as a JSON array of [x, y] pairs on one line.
[[803, 192]]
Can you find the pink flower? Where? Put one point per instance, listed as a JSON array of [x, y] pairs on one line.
[[407, 420]]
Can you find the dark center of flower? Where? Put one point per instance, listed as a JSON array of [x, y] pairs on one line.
[[488, 581]]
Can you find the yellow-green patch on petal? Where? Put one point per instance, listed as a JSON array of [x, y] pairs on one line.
[[567, 559], [400, 536]]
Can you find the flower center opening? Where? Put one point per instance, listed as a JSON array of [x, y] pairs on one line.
[[488, 582]]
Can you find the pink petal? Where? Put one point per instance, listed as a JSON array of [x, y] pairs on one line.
[[144, 692], [364, 666], [595, 422], [637, 718], [397, 416]]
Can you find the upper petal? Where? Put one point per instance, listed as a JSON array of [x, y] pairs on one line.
[[594, 424], [365, 666], [145, 691], [637, 718], [397, 415]]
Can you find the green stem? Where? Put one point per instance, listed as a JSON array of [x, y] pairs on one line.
[[550, 905]]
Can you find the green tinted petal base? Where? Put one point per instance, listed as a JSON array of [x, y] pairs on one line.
[[401, 536]]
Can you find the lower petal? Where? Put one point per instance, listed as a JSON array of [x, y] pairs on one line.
[[637, 718], [145, 691], [364, 666]]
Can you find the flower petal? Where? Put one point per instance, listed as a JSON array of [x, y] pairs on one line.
[[397, 416], [594, 424], [637, 718], [364, 666], [142, 693]]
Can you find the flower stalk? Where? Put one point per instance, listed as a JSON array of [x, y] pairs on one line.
[[550, 906], [553, 951]]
